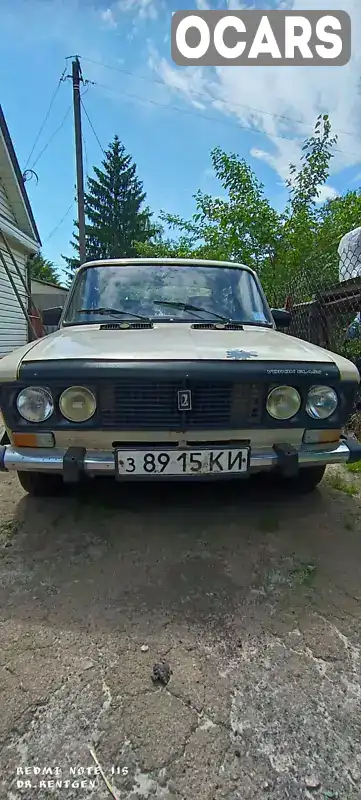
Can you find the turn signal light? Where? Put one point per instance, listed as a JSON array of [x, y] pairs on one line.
[[321, 437], [33, 439]]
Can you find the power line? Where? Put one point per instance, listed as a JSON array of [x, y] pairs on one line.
[[214, 119], [52, 137], [92, 126], [42, 126], [209, 96], [59, 223]]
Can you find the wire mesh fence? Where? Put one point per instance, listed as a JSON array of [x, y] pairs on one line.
[[324, 298]]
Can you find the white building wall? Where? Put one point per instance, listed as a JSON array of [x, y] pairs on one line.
[[5, 209], [13, 325]]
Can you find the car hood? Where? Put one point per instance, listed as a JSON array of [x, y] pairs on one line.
[[173, 342]]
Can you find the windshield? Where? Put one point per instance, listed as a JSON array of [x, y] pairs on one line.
[[164, 292]]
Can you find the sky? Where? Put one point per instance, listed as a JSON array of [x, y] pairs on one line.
[[169, 118]]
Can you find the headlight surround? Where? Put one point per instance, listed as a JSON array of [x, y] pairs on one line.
[[322, 402], [77, 404], [35, 404], [283, 402]]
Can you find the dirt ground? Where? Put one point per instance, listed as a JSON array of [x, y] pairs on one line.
[[252, 597]]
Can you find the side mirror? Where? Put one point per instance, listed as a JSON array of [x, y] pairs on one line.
[[281, 317], [51, 316]]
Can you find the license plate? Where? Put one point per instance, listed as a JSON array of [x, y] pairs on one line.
[[182, 462]]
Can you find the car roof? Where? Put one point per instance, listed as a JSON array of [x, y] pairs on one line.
[[120, 262]]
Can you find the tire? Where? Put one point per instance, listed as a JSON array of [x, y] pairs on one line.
[[40, 484], [307, 479]]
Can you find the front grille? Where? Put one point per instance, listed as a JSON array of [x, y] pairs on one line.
[[140, 404], [216, 326], [118, 326]]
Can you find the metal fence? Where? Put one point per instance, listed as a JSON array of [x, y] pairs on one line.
[[324, 297]]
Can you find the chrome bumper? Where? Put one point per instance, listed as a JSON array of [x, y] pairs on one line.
[[97, 462]]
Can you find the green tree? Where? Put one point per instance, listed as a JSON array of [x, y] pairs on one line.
[[295, 264], [42, 269], [243, 226], [114, 208]]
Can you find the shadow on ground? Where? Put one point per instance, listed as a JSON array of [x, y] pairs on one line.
[[253, 597]]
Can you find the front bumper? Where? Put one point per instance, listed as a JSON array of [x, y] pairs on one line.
[[75, 462]]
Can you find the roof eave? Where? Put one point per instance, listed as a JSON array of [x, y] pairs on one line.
[[18, 176]]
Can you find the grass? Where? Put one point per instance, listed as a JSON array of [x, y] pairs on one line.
[[338, 482], [303, 574], [354, 467], [298, 573], [8, 528]]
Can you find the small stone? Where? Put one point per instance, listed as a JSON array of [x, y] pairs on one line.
[[266, 785], [161, 673], [86, 664], [312, 783], [144, 648], [237, 753], [239, 643]]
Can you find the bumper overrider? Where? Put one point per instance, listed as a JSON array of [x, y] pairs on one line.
[[74, 463]]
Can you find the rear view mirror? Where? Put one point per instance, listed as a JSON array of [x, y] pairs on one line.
[[281, 317], [51, 316]]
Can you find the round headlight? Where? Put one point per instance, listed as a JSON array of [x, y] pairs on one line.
[[77, 404], [322, 401], [35, 404], [283, 402]]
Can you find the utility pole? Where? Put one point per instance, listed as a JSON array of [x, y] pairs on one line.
[[77, 78]]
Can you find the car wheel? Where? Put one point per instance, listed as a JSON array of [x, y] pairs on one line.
[[307, 479], [40, 484]]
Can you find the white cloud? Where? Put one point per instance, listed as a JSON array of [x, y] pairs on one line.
[[140, 10], [326, 192], [237, 5], [144, 9], [108, 18], [281, 101], [189, 83]]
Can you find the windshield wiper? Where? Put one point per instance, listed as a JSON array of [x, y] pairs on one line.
[[188, 307], [112, 312]]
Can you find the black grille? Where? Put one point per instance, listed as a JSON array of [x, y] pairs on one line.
[[139, 404], [214, 326], [117, 326]]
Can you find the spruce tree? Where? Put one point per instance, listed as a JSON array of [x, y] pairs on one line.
[[115, 214], [42, 269]]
